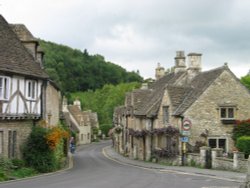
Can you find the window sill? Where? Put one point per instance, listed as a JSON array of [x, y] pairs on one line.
[[228, 121]]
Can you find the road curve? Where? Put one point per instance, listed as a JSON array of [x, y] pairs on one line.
[[93, 170]]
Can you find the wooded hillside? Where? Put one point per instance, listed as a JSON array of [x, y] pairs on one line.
[[74, 70]]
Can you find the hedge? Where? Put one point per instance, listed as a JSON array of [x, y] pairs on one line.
[[243, 144]]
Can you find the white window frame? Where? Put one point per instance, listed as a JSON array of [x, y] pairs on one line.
[[227, 112], [4, 88], [31, 89]]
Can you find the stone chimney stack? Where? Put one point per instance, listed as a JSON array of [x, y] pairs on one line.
[[77, 103], [194, 65], [159, 72], [180, 64]]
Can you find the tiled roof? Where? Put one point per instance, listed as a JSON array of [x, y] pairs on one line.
[[14, 57]]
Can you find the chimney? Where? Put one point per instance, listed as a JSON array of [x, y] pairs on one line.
[[194, 65], [159, 72], [39, 56], [77, 103], [180, 64]]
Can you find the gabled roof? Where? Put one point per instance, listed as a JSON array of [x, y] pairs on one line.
[[152, 97], [76, 113], [198, 85], [14, 57], [147, 102], [22, 32]]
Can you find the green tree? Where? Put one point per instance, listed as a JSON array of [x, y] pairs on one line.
[[74, 70], [246, 81]]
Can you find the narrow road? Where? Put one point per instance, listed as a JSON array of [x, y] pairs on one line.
[[92, 170]]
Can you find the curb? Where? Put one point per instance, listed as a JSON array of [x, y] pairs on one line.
[[164, 170]]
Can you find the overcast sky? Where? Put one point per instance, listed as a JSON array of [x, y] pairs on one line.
[[137, 34]]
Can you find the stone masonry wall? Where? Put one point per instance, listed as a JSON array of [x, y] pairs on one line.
[[22, 128], [204, 113]]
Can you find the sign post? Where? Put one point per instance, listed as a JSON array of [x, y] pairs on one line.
[[185, 130]]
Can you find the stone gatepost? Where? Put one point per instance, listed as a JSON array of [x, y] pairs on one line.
[[237, 156], [216, 152], [205, 156], [247, 183]]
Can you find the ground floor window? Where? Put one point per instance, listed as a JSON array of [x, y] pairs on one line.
[[217, 143]]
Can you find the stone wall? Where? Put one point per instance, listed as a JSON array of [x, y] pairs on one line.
[[22, 128], [205, 113]]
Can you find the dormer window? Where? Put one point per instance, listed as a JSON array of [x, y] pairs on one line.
[[4, 87], [31, 86]]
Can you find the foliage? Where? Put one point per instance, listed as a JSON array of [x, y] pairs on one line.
[[169, 130], [41, 149], [24, 172], [86, 72], [242, 128], [243, 144], [103, 101], [14, 168], [55, 136], [246, 81], [105, 129]]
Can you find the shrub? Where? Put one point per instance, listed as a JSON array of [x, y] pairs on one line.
[[24, 172], [18, 163], [242, 128], [243, 144]]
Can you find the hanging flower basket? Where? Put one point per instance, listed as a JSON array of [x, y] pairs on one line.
[[118, 129]]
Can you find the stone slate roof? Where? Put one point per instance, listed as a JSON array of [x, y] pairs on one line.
[[198, 85], [76, 113], [152, 100], [22, 32], [147, 102], [68, 121], [14, 57]]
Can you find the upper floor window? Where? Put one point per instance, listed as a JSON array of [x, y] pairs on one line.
[[227, 112], [4, 88], [31, 86], [165, 114]]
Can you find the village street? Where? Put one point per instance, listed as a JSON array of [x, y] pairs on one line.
[[93, 170]]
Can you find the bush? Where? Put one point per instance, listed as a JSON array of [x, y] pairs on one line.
[[37, 153], [242, 128], [24, 172], [243, 144]]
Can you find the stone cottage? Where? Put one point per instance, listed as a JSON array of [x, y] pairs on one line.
[[80, 121], [186, 105], [23, 87]]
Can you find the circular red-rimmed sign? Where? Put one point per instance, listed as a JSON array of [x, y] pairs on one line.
[[186, 125]]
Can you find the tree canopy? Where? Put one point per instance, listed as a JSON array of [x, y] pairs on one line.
[[246, 80], [74, 70]]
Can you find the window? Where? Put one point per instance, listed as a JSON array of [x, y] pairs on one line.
[[165, 114], [227, 113], [217, 143], [31, 89], [4, 88]]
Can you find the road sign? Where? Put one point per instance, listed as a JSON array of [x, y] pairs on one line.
[[185, 133], [184, 139], [186, 125]]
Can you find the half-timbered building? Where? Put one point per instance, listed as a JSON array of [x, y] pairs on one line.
[[22, 89]]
